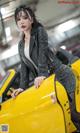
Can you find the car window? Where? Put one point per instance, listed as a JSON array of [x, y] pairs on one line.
[[4, 79], [14, 84]]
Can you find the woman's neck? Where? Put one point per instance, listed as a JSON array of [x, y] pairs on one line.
[[27, 35]]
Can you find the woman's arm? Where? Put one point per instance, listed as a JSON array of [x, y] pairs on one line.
[[24, 76], [24, 73], [42, 59], [43, 44]]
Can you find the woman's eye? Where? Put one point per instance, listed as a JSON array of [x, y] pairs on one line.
[[25, 17], [18, 19]]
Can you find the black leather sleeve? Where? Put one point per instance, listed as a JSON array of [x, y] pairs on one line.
[[24, 72], [42, 59], [24, 76]]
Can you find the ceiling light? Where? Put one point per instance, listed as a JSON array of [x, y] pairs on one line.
[[66, 26], [3, 11], [63, 47], [8, 33]]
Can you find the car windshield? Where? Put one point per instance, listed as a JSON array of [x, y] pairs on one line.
[[4, 79]]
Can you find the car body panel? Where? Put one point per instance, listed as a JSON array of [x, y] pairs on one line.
[[10, 76], [40, 110], [76, 69], [34, 111]]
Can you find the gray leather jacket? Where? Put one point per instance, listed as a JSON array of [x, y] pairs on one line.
[[38, 45]]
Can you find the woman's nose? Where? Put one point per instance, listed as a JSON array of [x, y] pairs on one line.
[[21, 21]]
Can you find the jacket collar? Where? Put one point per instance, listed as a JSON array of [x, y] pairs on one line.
[[33, 37], [31, 45]]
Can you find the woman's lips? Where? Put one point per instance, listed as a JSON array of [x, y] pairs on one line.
[[23, 26]]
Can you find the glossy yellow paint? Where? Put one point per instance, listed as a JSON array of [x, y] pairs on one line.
[[12, 73], [76, 69], [64, 102], [34, 111]]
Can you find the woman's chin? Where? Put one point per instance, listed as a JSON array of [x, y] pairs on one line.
[[23, 30]]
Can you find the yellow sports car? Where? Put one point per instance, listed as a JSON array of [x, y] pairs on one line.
[[42, 110]]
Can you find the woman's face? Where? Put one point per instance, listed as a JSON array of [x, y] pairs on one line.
[[24, 22]]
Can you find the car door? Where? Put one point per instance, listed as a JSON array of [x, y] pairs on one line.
[[34, 111]]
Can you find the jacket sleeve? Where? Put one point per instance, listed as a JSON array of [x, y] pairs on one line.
[[24, 76], [42, 59], [24, 73]]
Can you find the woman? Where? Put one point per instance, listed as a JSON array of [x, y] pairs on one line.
[[32, 50], [32, 47]]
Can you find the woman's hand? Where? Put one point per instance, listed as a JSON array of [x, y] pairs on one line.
[[16, 92], [38, 81]]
